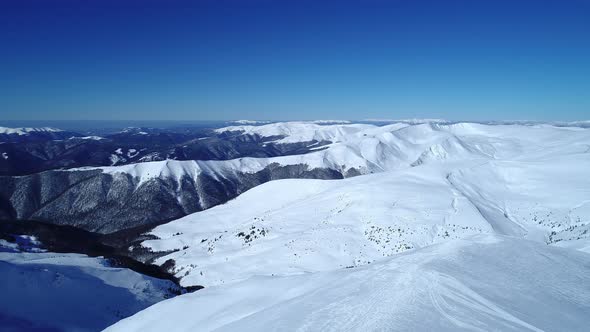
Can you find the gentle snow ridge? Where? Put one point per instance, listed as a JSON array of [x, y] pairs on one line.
[[481, 283], [298, 131]]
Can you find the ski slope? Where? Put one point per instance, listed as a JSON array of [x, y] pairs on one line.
[[480, 283]]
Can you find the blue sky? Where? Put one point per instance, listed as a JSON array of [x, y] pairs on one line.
[[281, 60]]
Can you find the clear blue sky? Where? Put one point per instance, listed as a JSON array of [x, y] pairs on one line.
[[281, 59]]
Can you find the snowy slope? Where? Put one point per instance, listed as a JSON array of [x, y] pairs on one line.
[[482, 283], [447, 227], [315, 225], [529, 182], [458, 228], [546, 200], [44, 291]]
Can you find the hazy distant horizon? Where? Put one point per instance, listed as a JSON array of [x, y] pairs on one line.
[[116, 124]]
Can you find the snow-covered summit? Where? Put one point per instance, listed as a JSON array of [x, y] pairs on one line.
[[295, 132]]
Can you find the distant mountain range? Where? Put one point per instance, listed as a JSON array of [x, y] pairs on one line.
[[432, 206]]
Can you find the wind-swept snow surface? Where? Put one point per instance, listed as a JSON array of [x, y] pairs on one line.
[[481, 283]]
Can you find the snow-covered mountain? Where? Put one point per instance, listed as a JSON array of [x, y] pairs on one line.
[[291, 132], [354, 149], [403, 248], [177, 188], [368, 148], [313, 225], [27, 131], [444, 182], [480, 283], [328, 215], [249, 122], [19, 135], [40, 151]]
